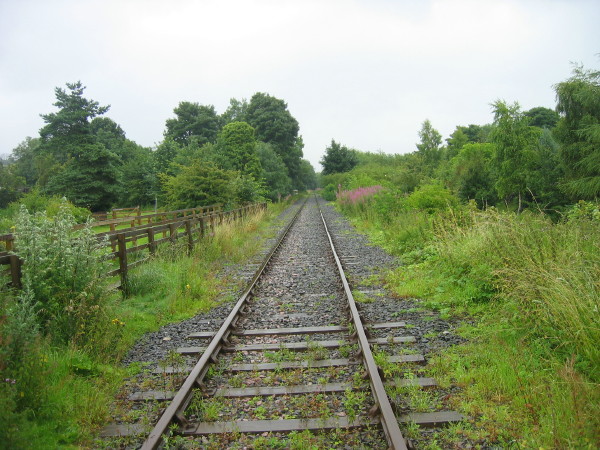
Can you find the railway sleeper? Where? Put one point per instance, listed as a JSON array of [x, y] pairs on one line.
[[251, 367], [194, 350], [431, 419], [282, 390]]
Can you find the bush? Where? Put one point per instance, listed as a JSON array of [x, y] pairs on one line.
[[35, 202], [61, 271], [430, 198]]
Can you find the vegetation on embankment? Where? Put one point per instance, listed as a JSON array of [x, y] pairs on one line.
[[529, 286], [63, 335]]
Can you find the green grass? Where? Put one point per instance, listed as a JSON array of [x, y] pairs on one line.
[[530, 371], [78, 382]]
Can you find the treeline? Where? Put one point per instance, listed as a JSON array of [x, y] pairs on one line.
[[541, 158], [250, 152]]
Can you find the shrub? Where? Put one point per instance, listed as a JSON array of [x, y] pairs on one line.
[[430, 198], [61, 271]]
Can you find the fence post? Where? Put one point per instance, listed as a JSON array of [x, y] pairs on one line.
[[151, 244], [202, 230], [15, 271], [172, 232], [122, 252], [188, 231], [139, 215]]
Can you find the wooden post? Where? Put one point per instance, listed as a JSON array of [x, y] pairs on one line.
[[139, 215], [202, 230], [122, 252], [151, 243], [15, 271], [188, 231], [172, 232]]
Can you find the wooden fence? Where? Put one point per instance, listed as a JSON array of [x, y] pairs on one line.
[[192, 226]]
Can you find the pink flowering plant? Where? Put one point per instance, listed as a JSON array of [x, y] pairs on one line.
[[357, 199]]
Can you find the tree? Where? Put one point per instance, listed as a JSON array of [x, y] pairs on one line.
[[275, 125], [91, 180], [542, 117], [237, 144], [308, 177], [23, 158], [139, 179], [338, 158], [455, 142], [471, 174], [274, 172], [200, 184], [429, 147], [82, 168], [68, 130], [11, 184], [578, 130], [236, 111], [193, 121], [515, 151]]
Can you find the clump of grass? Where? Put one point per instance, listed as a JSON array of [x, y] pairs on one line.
[[530, 374]]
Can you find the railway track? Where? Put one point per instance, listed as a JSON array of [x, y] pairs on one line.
[[293, 361]]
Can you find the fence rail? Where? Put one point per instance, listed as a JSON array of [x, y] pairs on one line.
[[191, 225]]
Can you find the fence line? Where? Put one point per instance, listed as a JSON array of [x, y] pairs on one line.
[[124, 242]]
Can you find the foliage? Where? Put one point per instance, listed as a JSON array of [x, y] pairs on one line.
[[34, 201], [514, 154], [429, 146], [90, 180], [431, 197], [527, 282], [11, 184], [235, 112], [471, 175], [578, 130], [338, 158], [61, 272], [200, 184], [69, 128], [274, 172], [542, 117], [275, 125], [193, 120], [236, 143]]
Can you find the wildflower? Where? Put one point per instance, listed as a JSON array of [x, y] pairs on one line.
[[188, 287]]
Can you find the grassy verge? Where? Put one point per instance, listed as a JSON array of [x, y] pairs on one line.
[[529, 287], [58, 396]]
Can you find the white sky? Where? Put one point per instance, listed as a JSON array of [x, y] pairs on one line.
[[366, 73]]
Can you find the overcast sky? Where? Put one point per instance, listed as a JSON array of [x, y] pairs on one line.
[[366, 73]]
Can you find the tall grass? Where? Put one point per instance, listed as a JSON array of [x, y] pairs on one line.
[[530, 373]]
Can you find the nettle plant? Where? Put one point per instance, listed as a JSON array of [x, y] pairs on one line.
[[62, 273]]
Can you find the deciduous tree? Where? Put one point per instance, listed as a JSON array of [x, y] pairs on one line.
[[193, 121], [578, 130], [338, 159]]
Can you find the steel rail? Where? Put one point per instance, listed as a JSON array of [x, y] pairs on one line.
[[183, 396], [387, 417]]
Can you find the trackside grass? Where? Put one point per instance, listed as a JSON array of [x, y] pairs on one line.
[[530, 289], [59, 395]]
